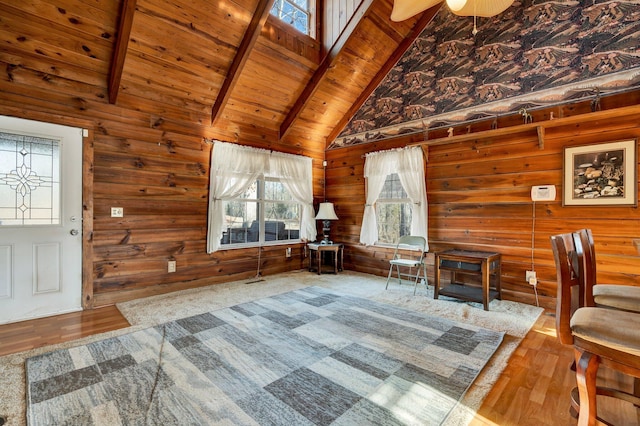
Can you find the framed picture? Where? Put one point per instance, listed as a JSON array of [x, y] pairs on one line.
[[600, 175]]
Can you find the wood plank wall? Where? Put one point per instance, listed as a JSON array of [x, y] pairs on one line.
[[337, 14], [161, 181], [157, 170], [479, 198]]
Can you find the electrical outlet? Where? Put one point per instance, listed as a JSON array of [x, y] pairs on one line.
[[287, 253], [117, 212], [171, 266], [530, 277]]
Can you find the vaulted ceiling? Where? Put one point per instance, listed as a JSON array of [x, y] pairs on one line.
[[224, 67]]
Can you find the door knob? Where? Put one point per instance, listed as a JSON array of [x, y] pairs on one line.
[[74, 232]]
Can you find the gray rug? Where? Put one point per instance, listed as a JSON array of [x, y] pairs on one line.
[[310, 356]]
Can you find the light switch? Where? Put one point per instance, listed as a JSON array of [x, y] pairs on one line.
[[117, 212]]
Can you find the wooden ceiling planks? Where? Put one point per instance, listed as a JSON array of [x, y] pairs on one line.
[[246, 46], [37, 36], [177, 63], [348, 69], [424, 20], [262, 79], [174, 52], [325, 66], [282, 38], [91, 18]]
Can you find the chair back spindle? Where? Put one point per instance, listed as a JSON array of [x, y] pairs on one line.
[[570, 291]]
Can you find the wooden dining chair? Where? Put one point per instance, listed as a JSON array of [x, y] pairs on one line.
[[614, 296], [599, 336]]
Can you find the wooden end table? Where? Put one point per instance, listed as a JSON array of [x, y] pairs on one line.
[[316, 250], [483, 264]]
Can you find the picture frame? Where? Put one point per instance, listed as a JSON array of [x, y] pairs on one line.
[[601, 174]]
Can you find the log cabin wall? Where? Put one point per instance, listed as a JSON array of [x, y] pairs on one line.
[[152, 160], [151, 80], [478, 189], [146, 152], [161, 180]]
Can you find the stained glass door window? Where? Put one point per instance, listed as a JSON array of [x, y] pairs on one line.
[[29, 180]]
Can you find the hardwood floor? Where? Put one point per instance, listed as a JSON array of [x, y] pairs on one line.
[[25, 335], [532, 390], [535, 386]]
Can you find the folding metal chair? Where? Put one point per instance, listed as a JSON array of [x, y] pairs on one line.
[[408, 259]]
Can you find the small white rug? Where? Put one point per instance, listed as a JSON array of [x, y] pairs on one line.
[[514, 319]]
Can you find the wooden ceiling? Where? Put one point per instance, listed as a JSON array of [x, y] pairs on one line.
[[224, 68]]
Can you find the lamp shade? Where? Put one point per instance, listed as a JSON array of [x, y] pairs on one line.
[[484, 8], [405, 9], [326, 212]]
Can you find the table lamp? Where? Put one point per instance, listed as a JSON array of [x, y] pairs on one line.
[[326, 214]]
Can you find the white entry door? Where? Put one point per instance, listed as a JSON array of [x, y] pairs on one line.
[[40, 219]]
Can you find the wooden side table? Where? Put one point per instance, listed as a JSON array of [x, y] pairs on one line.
[[483, 264], [316, 250]]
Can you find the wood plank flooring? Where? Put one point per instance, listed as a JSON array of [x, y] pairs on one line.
[[25, 335], [535, 386], [532, 390]]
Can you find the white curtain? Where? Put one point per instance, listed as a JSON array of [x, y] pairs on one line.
[[234, 168], [409, 165], [411, 174], [377, 165], [295, 173]]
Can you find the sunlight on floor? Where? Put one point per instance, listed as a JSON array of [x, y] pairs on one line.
[[407, 401], [478, 420], [549, 331]]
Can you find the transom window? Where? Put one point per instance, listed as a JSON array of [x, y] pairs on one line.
[[266, 212], [393, 211], [296, 13]]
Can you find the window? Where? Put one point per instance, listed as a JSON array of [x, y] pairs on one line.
[[393, 211], [395, 196], [256, 196], [29, 180], [265, 212], [296, 13]]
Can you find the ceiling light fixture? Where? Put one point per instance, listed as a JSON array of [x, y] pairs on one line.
[[404, 9]]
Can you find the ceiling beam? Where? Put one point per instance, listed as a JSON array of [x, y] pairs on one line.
[[120, 49], [246, 45], [420, 25], [324, 67]]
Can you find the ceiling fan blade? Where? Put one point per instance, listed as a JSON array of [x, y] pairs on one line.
[[405, 9], [484, 8]]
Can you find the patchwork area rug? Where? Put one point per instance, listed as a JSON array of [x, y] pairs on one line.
[[307, 357]]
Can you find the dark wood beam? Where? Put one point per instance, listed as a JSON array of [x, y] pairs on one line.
[[420, 25], [324, 67], [319, 23], [246, 45], [120, 49]]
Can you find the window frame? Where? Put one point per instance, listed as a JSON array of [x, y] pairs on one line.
[[261, 201], [312, 31], [391, 201]]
